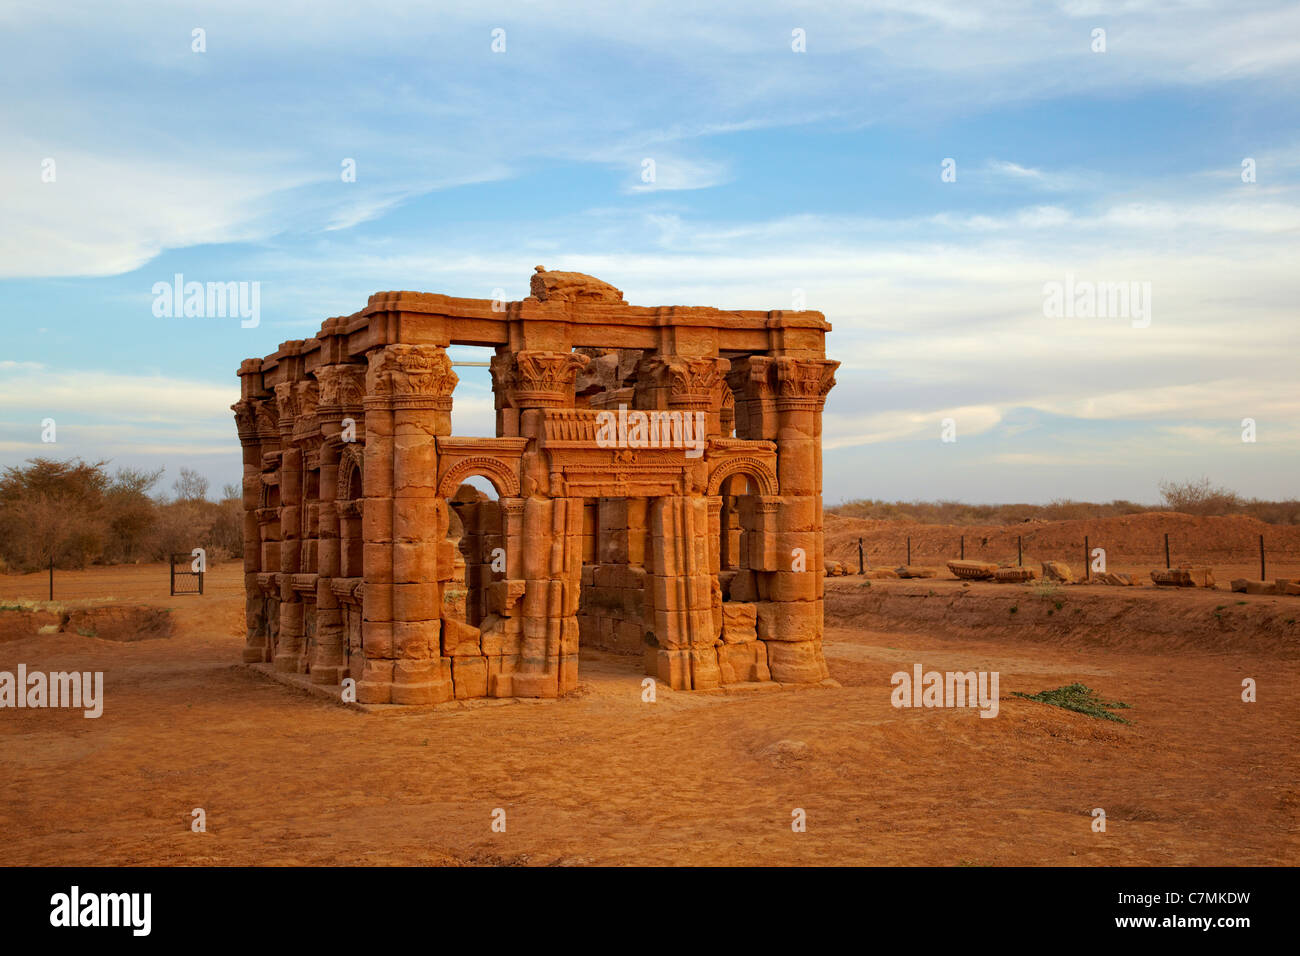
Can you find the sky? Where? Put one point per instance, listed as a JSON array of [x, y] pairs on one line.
[[928, 174]]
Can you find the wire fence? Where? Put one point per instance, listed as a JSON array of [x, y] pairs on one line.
[[1085, 556]]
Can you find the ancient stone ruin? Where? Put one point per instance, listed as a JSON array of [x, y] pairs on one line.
[[658, 480]]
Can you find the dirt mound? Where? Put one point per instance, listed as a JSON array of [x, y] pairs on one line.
[[111, 622], [17, 623], [1148, 621]]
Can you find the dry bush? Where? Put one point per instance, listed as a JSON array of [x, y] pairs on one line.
[[130, 513], [1199, 497], [180, 527], [961, 513], [76, 514], [52, 511], [1274, 512]]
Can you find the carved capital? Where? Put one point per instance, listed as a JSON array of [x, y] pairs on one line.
[[267, 412], [693, 383], [804, 381], [752, 377], [245, 421], [342, 387], [406, 374], [296, 410], [541, 379], [502, 368], [307, 426], [286, 407]]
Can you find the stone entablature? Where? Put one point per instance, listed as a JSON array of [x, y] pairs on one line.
[[658, 473]]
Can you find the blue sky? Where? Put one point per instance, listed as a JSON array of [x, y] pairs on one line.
[[776, 172]]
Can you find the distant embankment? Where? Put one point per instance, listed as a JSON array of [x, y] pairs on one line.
[[1145, 620], [1131, 542]]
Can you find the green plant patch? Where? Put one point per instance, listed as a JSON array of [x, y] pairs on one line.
[[1079, 698]]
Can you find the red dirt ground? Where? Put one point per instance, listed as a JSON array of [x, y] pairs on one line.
[[1199, 777]]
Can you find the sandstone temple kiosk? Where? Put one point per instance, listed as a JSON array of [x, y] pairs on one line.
[[658, 481]]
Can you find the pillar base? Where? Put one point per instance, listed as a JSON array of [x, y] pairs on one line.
[[535, 685], [797, 662], [328, 675], [288, 661], [374, 692]]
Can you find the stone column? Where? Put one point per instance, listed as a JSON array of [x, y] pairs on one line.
[[683, 571], [342, 391], [754, 411], [551, 536], [289, 647], [251, 415], [408, 404], [790, 619], [680, 586], [502, 631]]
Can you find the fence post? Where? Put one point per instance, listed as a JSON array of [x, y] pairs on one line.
[[861, 568], [1166, 550], [1261, 557], [909, 549], [51, 575], [171, 569], [963, 547], [1020, 552], [1087, 560]]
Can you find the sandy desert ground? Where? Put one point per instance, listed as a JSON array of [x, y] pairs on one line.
[[1199, 777]]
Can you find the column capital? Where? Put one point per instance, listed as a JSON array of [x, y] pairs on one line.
[[535, 378], [690, 383], [246, 421], [411, 376], [751, 377], [342, 389], [803, 383]]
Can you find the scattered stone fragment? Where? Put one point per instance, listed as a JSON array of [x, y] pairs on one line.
[[1014, 575], [1057, 571], [1188, 577], [973, 570], [917, 571], [1116, 579]]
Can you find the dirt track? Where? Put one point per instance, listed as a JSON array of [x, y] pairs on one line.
[[1198, 778]]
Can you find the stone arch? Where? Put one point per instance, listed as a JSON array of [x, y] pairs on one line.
[[268, 495], [350, 475], [502, 475], [754, 468]]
